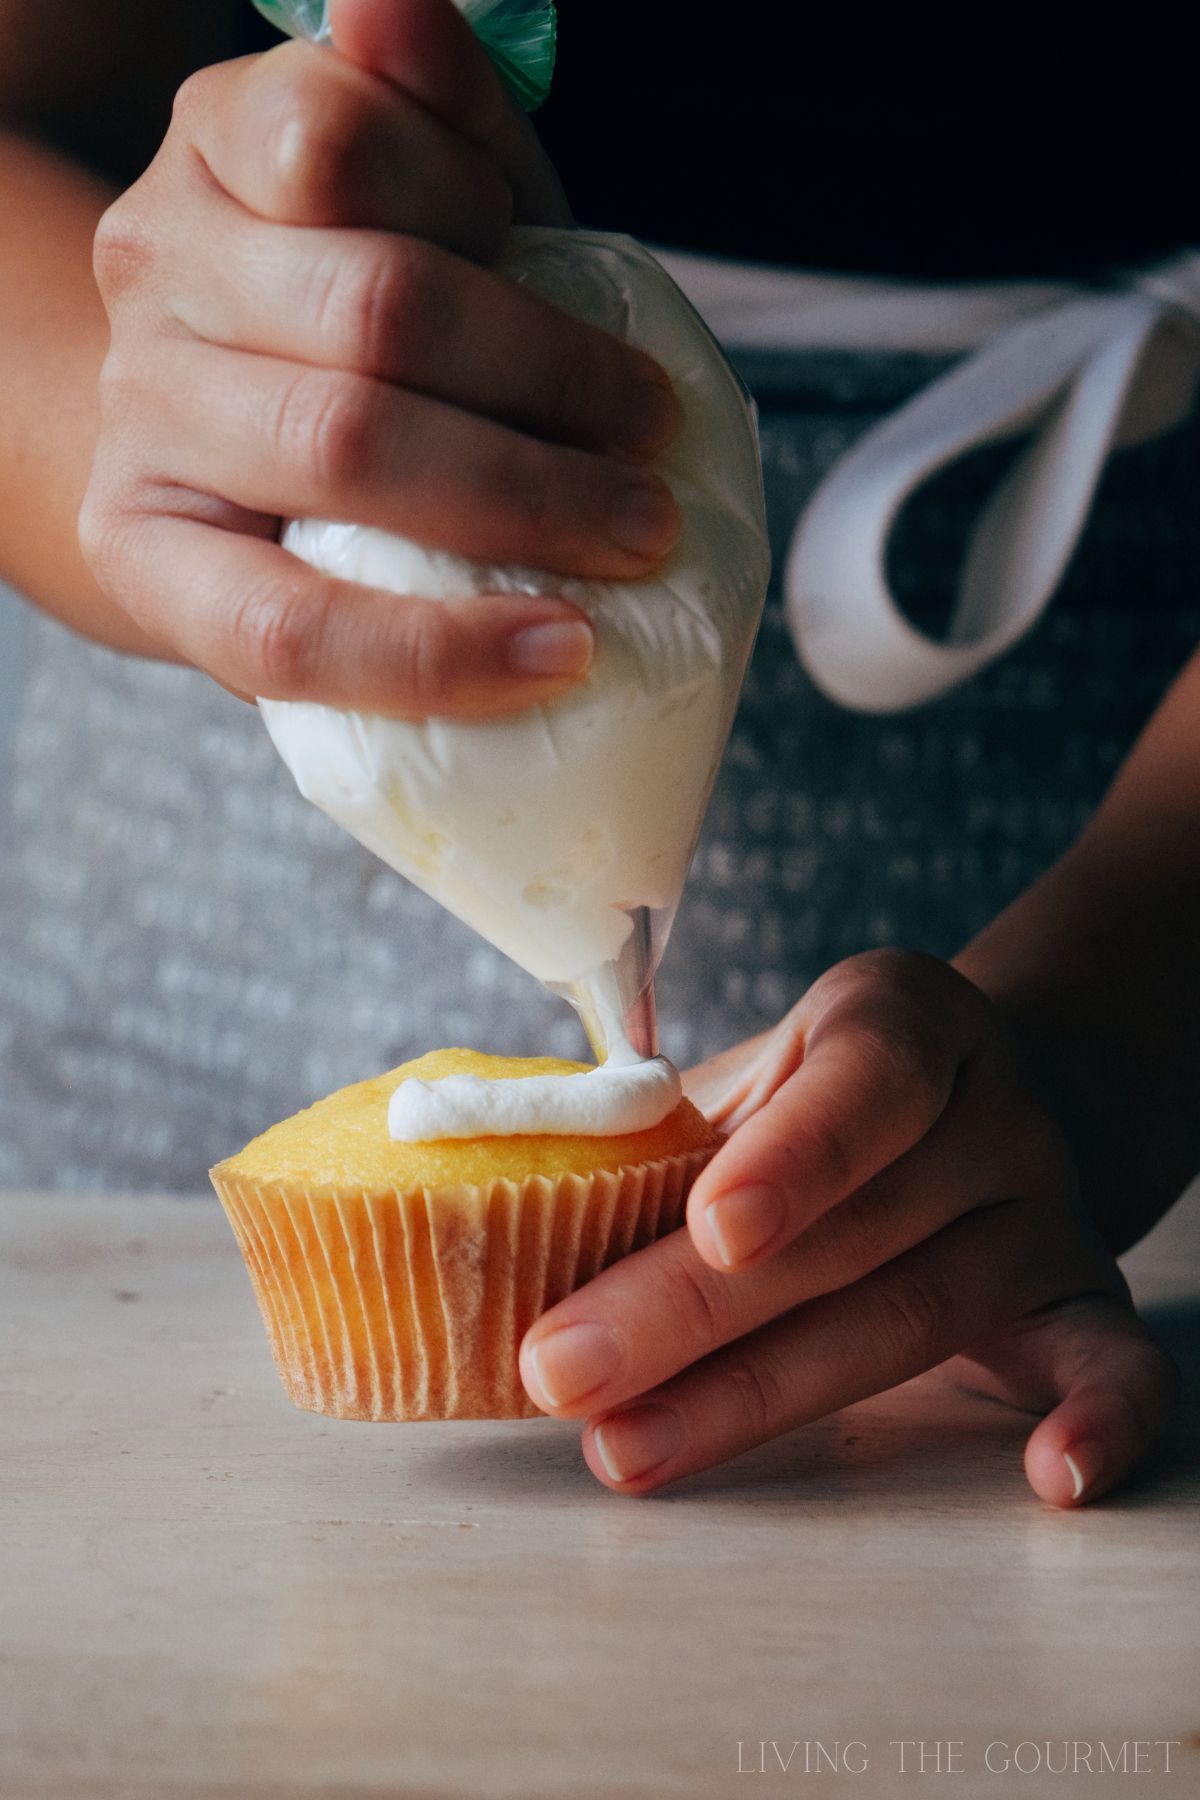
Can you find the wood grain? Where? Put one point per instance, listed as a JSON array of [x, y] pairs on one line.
[[206, 1593]]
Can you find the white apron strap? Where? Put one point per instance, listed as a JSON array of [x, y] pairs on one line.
[[1081, 377]]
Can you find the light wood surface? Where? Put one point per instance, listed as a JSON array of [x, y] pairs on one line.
[[205, 1593]]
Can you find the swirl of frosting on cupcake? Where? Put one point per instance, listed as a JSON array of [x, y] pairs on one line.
[[623, 1095]]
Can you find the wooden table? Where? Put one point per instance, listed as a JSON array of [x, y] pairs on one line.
[[205, 1593]]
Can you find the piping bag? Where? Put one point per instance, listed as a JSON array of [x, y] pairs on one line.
[[563, 834]]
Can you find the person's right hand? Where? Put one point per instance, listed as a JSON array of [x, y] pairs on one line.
[[304, 322]]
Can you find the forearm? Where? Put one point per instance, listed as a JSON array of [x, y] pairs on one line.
[[53, 337], [1097, 967], [95, 81]]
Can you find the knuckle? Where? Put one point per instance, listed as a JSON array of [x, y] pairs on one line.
[[754, 1397], [872, 971], [104, 532], [194, 96], [890, 962], [381, 310], [117, 384], [273, 643], [907, 1014], [540, 507], [135, 377], [123, 249], [321, 427], [851, 1239], [916, 979], [825, 1145], [425, 651], [314, 140], [414, 307], [574, 382], [906, 1061], [913, 1319], [693, 1303]]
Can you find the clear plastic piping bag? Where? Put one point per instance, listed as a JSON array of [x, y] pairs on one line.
[[563, 834]]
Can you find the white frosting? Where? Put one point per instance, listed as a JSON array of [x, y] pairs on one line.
[[624, 1094], [547, 829]]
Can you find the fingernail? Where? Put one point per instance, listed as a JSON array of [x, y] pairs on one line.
[[631, 1444], [653, 415], [561, 647], [574, 1361], [645, 521], [743, 1222], [1084, 1462]]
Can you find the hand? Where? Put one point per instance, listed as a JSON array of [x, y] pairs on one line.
[[304, 322], [892, 1195]]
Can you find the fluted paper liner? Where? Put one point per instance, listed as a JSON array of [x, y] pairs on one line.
[[412, 1304]]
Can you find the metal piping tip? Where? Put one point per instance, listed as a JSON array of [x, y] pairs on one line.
[[638, 1019], [618, 999]]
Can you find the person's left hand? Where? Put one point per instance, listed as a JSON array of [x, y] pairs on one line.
[[892, 1194]]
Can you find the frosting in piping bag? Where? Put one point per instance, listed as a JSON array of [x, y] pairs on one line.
[[563, 834]]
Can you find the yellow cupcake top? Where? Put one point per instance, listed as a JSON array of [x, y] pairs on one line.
[[343, 1140]]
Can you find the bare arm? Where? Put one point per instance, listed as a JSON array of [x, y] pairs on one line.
[[53, 338], [1098, 968], [85, 94]]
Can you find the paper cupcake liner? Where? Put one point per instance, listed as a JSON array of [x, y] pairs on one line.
[[412, 1305]]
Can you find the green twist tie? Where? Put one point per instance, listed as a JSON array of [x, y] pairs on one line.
[[519, 35], [298, 18]]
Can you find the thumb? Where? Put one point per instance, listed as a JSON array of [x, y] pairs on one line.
[[427, 48], [1110, 1386]]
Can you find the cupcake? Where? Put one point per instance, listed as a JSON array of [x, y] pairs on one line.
[[397, 1279]]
